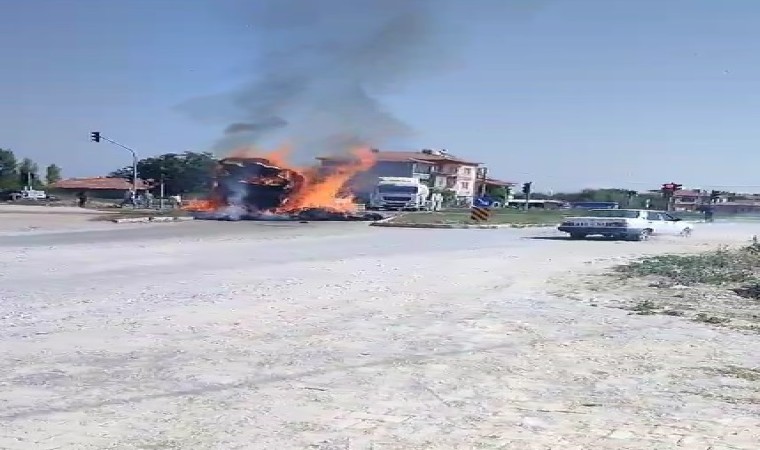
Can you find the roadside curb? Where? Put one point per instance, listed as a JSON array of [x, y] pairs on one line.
[[387, 223], [386, 220], [151, 219]]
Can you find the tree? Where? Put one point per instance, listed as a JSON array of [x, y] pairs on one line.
[[52, 174], [27, 173], [8, 174], [181, 173], [500, 193]]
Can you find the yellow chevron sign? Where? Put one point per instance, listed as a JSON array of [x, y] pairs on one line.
[[480, 214]]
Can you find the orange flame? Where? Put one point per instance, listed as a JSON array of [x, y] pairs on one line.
[[325, 192], [319, 190], [201, 205]]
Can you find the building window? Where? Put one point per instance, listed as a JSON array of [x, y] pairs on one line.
[[467, 171], [465, 185], [423, 168]]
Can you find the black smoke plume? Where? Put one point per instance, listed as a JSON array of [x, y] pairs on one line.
[[324, 65]]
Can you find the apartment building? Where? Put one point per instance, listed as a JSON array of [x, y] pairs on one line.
[[437, 168]]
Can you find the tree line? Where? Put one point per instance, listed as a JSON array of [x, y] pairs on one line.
[[624, 197], [15, 174], [181, 173], [192, 172]]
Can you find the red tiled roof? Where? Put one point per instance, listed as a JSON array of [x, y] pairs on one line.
[[391, 156], [97, 183]]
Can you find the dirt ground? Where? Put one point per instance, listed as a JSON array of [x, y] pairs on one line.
[[714, 305], [19, 219], [24, 219], [343, 336]]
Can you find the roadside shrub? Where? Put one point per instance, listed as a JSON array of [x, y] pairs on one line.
[[751, 290], [716, 267]]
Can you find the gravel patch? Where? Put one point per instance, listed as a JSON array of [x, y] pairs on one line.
[[356, 338]]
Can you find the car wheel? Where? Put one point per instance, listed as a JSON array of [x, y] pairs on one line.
[[577, 236], [642, 235]]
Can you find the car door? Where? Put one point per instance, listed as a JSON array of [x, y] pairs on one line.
[[655, 222], [671, 224]]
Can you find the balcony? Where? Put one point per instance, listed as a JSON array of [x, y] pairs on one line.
[[447, 170]]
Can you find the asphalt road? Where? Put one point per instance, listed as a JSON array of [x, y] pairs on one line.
[[246, 335]]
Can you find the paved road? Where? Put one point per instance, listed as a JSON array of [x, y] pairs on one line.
[[241, 335], [194, 230]]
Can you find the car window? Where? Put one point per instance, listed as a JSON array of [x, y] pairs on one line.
[[653, 216], [613, 213]]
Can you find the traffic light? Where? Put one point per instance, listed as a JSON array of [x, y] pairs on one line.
[[526, 187], [95, 136]]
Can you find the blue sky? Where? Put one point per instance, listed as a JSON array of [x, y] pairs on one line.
[[568, 94]]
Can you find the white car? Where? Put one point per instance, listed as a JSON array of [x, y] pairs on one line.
[[628, 224]]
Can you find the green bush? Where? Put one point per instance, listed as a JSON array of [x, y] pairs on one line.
[[721, 266]]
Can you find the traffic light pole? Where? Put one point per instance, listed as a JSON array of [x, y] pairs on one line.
[[97, 136], [527, 188]]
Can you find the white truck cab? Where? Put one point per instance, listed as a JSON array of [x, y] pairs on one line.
[[399, 193], [629, 224]]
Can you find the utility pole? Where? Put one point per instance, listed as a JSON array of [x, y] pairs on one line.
[[161, 201], [96, 136], [483, 172]]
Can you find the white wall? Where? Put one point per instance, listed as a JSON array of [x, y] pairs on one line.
[[440, 182], [466, 177]]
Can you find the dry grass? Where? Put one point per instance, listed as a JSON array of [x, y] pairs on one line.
[[719, 288], [719, 267]]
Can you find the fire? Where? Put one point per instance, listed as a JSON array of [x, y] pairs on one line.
[[325, 191], [265, 182], [201, 205]]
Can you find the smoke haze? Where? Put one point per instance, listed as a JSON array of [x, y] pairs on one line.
[[322, 67]]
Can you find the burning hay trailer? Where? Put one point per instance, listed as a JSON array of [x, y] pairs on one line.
[[255, 188]]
